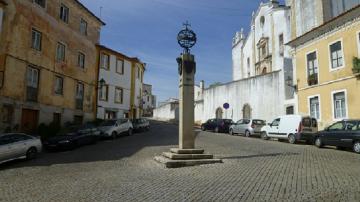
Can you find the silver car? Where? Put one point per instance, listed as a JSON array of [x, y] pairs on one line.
[[248, 127], [18, 145], [113, 128]]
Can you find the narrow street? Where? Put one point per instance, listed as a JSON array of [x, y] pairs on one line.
[[124, 170]]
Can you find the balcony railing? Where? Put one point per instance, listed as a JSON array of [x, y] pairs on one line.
[[313, 79]]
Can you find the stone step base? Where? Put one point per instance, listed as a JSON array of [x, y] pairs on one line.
[[169, 163], [186, 151], [175, 156]]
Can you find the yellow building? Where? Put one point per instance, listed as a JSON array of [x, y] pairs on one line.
[[327, 79], [48, 63], [137, 81]]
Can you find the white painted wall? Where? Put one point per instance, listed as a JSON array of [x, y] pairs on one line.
[[113, 80], [167, 112], [263, 93], [138, 87]]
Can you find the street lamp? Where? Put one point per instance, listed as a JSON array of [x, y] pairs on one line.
[[102, 83], [289, 82]]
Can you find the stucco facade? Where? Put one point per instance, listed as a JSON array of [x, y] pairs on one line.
[[39, 56], [149, 100], [335, 93], [137, 79], [114, 94]]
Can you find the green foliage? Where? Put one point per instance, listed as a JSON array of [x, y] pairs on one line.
[[356, 65]]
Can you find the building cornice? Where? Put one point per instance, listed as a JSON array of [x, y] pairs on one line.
[[87, 10], [327, 27]]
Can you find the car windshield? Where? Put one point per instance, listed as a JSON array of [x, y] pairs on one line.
[[108, 123], [228, 121]]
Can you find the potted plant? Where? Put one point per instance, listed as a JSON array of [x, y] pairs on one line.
[[312, 79], [356, 65]]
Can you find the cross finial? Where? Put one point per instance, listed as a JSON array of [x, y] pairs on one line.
[[187, 24]]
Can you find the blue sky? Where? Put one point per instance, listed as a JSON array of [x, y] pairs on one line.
[[147, 29]]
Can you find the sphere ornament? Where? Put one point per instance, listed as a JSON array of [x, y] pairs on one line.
[[186, 38]]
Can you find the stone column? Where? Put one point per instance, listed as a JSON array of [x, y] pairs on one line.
[[187, 68]]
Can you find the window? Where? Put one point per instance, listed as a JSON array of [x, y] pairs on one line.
[[351, 126], [40, 2], [83, 27], [120, 66], [148, 98], [81, 60], [32, 84], [339, 102], [64, 13], [105, 61], [60, 52], [312, 68], [59, 85], [36, 39], [119, 95], [337, 126], [7, 114], [103, 93], [276, 122], [262, 21], [336, 56], [79, 96], [314, 107], [281, 44], [290, 110], [138, 73]]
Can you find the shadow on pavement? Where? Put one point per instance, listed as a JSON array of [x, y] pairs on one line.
[[260, 155], [160, 134]]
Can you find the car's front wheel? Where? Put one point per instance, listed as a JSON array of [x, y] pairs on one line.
[[318, 142], [356, 147], [292, 139], [31, 153], [130, 131], [247, 133], [231, 132]]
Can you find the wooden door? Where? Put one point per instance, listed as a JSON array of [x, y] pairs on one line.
[[29, 121]]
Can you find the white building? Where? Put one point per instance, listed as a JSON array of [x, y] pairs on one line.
[[114, 95], [261, 65], [167, 110], [149, 100]]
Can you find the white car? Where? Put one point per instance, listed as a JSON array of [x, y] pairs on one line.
[[18, 145], [113, 128], [292, 128]]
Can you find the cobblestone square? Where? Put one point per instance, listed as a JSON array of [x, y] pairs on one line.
[[124, 170]]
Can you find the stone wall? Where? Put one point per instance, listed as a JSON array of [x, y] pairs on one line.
[[167, 112]]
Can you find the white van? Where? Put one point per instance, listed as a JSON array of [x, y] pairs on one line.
[[292, 128]]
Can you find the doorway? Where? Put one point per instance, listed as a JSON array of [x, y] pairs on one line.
[[247, 111], [218, 113], [29, 120]]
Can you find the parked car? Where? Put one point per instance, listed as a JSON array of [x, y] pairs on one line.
[[114, 128], [217, 125], [342, 134], [248, 127], [140, 124], [18, 145], [292, 128], [73, 136]]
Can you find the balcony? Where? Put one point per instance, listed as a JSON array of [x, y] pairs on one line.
[[32, 94], [313, 79], [356, 66]]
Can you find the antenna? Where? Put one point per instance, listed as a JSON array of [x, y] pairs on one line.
[[101, 11]]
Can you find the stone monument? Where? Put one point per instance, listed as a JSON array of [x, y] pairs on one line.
[[186, 154]]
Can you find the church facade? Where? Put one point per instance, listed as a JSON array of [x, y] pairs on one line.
[[262, 76]]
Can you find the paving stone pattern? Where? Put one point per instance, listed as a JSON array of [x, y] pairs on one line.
[[124, 170]]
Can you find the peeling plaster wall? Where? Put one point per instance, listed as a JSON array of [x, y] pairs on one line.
[[262, 93]]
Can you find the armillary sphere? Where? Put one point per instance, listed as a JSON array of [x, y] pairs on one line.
[[186, 38]]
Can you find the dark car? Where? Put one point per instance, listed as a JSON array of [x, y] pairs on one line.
[[141, 124], [217, 125], [72, 137], [342, 134]]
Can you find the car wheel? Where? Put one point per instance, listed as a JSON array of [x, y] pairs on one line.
[[292, 139], [318, 142], [247, 133], [264, 136], [113, 135], [130, 131], [357, 147], [31, 153], [203, 128], [217, 130], [231, 132]]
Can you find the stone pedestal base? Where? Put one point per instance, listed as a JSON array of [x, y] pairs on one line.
[[185, 157]]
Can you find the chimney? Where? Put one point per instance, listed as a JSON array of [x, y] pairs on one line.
[[202, 85]]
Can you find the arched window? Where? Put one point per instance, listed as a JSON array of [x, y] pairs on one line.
[[262, 21], [246, 111]]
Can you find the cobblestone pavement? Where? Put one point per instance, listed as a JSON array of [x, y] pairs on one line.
[[124, 170]]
